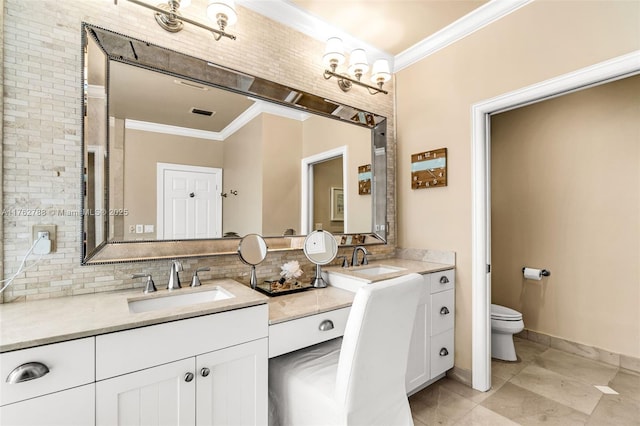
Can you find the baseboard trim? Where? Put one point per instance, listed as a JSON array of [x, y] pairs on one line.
[[585, 351], [460, 375]]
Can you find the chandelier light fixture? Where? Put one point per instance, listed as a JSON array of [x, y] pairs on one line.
[[358, 66], [168, 16]]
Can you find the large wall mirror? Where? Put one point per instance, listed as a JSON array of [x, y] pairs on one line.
[[183, 157]]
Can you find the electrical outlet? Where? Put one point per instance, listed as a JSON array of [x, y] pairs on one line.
[[51, 229], [132, 229]]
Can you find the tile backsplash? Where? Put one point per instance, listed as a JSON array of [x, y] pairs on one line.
[[42, 131]]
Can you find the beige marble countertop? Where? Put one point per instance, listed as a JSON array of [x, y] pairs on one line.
[[405, 267], [309, 302], [24, 325]]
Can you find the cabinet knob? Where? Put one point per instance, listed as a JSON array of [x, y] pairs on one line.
[[444, 280], [26, 372], [444, 310], [188, 377], [444, 352], [204, 372], [326, 325]]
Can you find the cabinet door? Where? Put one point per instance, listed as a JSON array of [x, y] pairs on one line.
[[418, 362], [73, 407], [160, 395], [232, 385]]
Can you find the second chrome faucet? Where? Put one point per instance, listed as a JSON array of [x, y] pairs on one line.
[[174, 277]]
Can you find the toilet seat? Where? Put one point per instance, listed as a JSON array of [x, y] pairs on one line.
[[502, 313]]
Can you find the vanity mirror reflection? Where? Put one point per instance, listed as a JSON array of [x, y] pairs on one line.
[[182, 157]]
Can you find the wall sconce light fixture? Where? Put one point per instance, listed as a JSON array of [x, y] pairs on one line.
[[168, 16], [358, 66]]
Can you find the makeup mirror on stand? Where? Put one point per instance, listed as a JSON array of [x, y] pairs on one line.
[[252, 251], [321, 248]]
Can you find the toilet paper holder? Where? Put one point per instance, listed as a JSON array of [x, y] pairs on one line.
[[544, 272]]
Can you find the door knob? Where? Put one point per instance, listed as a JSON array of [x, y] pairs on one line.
[[204, 372], [188, 377], [191, 195]]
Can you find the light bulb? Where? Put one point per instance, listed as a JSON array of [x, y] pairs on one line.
[[358, 64], [333, 53]]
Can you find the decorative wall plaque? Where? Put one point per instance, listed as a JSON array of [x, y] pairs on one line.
[[364, 179], [429, 169]]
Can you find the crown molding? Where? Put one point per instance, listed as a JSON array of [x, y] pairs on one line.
[[259, 107], [457, 30], [147, 126], [302, 21], [292, 16]]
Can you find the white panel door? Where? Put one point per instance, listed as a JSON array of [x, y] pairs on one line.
[[189, 203], [154, 396], [232, 385]]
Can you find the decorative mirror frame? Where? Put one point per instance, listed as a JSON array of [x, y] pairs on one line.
[[128, 50]]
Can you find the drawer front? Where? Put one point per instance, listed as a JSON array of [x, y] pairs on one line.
[[442, 353], [292, 335], [443, 280], [443, 311], [72, 407], [70, 364], [131, 350]]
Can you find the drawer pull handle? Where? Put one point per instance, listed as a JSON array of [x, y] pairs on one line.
[[444, 352], [188, 377], [326, 325], [204, 372], [26, 372], [444, 280], [444, 310]]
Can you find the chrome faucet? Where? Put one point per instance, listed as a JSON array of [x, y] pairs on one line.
[[149, 286], [174, 278], [354, 257]]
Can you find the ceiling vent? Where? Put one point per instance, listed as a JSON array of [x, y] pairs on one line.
[[199, 111], [191, 85]]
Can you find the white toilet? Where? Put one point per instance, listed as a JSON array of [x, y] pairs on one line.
[[505, 322]]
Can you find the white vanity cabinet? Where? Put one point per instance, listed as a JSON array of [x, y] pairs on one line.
[[208, 370], [431, 351], [48, 385]]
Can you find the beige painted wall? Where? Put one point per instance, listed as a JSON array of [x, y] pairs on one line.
[[322, 135], [243, 151], [281, 181], [566, 197], [433, 100], [142, 152]]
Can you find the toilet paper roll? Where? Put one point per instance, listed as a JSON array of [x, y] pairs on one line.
[[533, 274]]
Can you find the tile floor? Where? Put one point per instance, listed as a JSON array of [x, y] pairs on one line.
[[545, 386]]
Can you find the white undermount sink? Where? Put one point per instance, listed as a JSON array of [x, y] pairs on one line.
[[177, 300], [352, 279], [377, 270]]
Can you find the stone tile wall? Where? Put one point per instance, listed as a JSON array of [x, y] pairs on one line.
[[42, 125]]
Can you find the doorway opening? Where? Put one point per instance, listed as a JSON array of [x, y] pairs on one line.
[[604, 72], [311, 192]]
